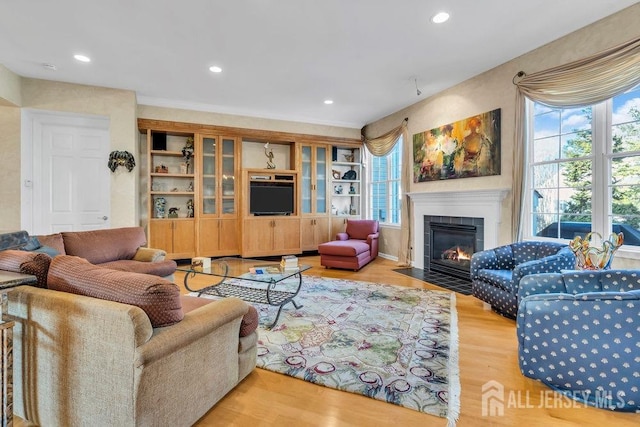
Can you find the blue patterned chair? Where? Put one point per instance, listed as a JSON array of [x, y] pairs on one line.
[[579, 333], [496, 273]]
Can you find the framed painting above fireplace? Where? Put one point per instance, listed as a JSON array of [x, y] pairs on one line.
[[463, 149]]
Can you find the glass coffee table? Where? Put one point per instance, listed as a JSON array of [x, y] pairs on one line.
[[251, 280]]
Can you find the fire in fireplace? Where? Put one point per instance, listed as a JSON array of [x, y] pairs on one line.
[[451, 248]]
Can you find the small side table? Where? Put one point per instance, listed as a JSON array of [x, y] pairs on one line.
[[8, 280]]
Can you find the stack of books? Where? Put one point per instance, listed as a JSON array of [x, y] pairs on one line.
[[289, 262]]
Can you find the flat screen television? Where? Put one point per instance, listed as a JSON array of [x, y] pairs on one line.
[[270, 199]]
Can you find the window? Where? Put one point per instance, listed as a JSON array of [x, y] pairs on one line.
[[584, 170], [384, 186]]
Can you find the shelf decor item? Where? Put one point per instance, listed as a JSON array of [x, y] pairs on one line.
[[590, 257], [269, 153], [351, 175], [187, 154], [159, 204]]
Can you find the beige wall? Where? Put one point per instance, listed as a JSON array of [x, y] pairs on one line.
[[494, 89], [10, 90], [10, 170]]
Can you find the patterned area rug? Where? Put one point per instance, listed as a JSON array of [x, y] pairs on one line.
[[392, 343]]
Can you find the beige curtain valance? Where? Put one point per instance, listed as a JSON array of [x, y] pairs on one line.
[[587, 81], [382, 145]]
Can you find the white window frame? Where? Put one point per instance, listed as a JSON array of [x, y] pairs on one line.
[[370, 182], [601, 157]]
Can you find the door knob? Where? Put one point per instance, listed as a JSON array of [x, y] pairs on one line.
[[104, 218]]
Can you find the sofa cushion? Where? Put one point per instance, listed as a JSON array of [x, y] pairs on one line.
[[343, 247], [159, 298], [499, 278], [162, 268], [53, 241], [98, 246], [23, 262]]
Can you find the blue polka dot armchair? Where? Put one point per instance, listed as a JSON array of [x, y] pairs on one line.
[[496, 273], [579, 333]]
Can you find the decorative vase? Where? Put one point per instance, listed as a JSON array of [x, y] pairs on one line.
[[592, 257]]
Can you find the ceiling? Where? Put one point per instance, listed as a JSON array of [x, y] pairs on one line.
[[281, 59]]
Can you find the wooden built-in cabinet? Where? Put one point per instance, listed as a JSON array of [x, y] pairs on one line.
[[209, 187]]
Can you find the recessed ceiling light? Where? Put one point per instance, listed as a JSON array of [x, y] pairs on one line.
[[215, 69], [440, 17], [328, 101], [82, 58]]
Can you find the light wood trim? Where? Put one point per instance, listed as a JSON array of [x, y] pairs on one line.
[[188, 128]]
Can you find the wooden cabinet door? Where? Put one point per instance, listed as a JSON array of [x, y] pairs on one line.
[[208, 237], [257, 237], [321, 227], [229, 237], [307, 234], [313, 231], [184, 239], [161, 235], [286, 236]]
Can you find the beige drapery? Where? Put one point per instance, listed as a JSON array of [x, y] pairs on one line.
[[579, 83], [381, 146]]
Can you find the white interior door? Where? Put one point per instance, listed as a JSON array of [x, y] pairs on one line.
[[71, 181]]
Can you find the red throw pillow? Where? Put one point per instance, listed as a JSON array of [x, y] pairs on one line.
[[158, 297]]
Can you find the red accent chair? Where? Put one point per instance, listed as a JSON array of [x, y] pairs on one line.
[[354, 248]]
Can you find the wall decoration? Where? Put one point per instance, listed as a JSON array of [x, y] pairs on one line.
[[463, 149], [121, 158]]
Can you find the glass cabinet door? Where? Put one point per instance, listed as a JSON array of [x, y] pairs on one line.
[[321, 180], [209, 169], [306, 179], [228, 176]]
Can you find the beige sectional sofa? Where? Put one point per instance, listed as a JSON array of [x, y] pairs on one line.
[[103, 347]]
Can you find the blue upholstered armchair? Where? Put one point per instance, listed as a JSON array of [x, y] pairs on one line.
[[496, 273], [579, 333]]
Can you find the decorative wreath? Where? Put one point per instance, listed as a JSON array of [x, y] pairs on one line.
[[121, 158]]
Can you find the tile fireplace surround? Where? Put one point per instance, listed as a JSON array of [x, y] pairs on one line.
[[486, 204]]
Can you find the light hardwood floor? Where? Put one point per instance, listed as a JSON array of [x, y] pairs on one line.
[[488, 351]]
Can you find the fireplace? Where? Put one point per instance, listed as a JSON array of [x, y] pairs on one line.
[[449, 242], [451, 248]]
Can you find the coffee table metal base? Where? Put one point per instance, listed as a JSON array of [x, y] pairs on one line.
[[267, 295]]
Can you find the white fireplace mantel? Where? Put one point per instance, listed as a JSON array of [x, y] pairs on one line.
[[486, 204]]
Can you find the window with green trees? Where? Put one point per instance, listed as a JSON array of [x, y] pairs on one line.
[[584, 169]]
